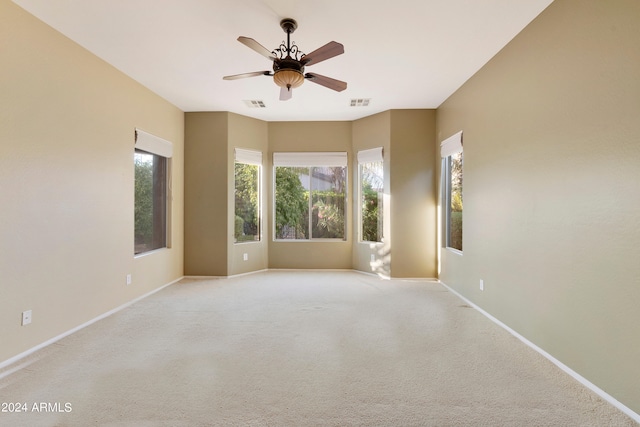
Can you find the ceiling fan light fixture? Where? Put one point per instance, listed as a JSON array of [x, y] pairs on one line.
[[288, 78], [289, 62]]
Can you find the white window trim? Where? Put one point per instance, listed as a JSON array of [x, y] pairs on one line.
[[451, 145], [371, 155], [248, 157], [310, 159], [153, 144]]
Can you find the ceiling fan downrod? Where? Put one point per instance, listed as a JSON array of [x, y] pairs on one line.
[[288, 25]]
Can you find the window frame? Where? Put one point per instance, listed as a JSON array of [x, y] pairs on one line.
[[146, 143], [450, 147], [161, 204], [365, 157], [251, 158], [310, 160]]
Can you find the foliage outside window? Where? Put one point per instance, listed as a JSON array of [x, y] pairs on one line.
[[247, 203], [454, 179], [371, 192], [310, 202], [150, 205]]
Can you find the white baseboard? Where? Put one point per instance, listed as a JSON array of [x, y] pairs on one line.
[[40, 346], [248, 273], [372, 274], [582, 380], [320, 270], [407, 279], [315, 270]]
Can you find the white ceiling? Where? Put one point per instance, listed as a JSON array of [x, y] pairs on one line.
[[399, 53]]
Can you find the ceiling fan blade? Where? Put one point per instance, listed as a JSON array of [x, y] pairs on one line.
[[285, 94], [325, 81], [327, 51], [251, 43], [245, 75]]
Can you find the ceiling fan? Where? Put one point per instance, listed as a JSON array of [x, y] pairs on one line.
[[289, 62]]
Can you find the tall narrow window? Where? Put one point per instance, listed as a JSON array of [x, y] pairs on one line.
[[371, 177], [151, 188], [247, 195], [452, 167], [310, 195]]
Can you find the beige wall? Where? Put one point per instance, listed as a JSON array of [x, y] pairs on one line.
[[372, 132], [409, 244], [210, 141], [310, 136], [209, 206], [413, 194], [67, 123], [250, 134], [206, 194], [551, 189]]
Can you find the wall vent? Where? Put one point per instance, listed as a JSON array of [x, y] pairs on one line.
[[360, 102], [252, 103]]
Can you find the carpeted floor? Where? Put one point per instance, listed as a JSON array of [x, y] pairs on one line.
[[298, 349]]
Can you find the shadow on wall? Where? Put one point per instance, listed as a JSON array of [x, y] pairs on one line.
[[380, 260]]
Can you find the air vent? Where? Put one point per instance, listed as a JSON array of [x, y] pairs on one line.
[[255, 103], [360, 102]]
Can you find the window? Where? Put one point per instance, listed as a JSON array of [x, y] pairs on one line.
[[151, 164], [452, 167], [370, 171], [310, 195], [247, 196]]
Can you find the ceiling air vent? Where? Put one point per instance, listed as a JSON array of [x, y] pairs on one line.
[[360, 102], [255, 104]]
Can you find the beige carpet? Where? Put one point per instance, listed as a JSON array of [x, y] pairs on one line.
[[299, 349]]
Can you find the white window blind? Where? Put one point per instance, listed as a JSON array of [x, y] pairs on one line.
[[310, 159], [249, 157], [370, 156], [153, 144], [451, 145]]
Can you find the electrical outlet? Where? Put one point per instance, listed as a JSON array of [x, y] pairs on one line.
[[128, 279], [26, 317], [373, 257], [481, 285], [245, 257]]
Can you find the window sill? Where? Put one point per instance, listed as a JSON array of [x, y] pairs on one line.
[[153, 251], [247, 242], [309, 240], [454, 250]]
